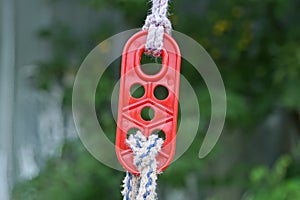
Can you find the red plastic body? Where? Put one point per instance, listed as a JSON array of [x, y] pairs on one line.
[[165, 111]]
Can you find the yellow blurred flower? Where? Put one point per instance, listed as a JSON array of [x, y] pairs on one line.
[[220, 27]]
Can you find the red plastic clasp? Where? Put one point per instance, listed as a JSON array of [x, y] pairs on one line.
[[165, 110]]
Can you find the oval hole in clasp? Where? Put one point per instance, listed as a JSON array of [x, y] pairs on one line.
[[146, 77]]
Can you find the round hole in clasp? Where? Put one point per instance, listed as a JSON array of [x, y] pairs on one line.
[[137, 91]]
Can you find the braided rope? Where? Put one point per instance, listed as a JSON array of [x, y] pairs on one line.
[[157, 23], [142, 187]]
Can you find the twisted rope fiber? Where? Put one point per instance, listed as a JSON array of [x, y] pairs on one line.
[[157, 23], [142, 187]]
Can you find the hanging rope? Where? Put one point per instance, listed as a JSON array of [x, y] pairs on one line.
[[157, 23], [142, 187]]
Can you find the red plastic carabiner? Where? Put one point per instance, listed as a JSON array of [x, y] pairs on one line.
[[130, 108]]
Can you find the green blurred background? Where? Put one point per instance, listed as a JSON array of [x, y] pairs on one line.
[[256, 46]]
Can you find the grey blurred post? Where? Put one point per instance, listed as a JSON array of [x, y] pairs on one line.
[[7, 72]]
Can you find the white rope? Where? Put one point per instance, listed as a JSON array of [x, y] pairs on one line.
[[142, 187], [157, 23]]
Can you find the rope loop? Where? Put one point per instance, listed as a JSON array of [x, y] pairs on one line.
[[142, 187], [157, 23]]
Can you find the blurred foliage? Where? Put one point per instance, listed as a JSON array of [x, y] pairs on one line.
[[255, 44], [75, 175], [274, 184]]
